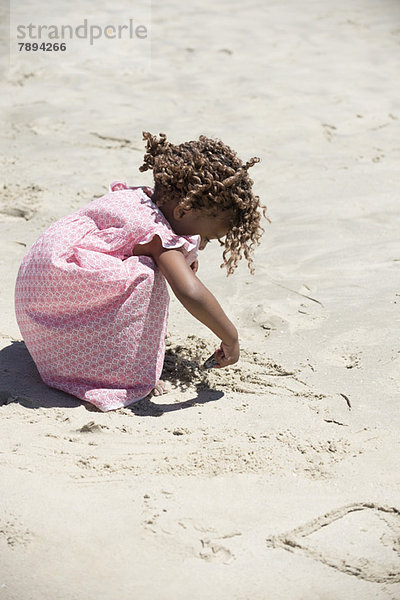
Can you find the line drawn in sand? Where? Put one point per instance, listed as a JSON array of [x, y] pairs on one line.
[[351, 563]]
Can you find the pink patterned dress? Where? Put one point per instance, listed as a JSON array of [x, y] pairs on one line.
[[93, 316]]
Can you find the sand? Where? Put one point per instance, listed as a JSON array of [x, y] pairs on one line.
[[276, 478]]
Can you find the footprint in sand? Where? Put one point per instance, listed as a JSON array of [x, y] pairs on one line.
[[13, 533], [358, 539], [212, 551], [18, 202], [188, 535]]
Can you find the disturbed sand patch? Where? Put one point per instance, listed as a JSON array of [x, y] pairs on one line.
[[253, 374], [19, 202]]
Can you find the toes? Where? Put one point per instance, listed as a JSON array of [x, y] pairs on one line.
[[160, 388]]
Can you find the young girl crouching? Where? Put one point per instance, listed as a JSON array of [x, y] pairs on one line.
[[91, 296]]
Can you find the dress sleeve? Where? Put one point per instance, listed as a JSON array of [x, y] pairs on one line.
[[127, 216], [156, 224]]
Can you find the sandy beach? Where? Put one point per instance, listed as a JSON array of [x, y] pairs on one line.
[[279, 477]]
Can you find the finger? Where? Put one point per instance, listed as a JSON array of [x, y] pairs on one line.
[[220, 365], [220, 354]]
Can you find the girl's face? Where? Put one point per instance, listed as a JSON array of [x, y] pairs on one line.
[[198, 222]]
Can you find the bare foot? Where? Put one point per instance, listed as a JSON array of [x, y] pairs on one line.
[[160, 388]]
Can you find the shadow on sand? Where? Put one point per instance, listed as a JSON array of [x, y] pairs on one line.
[[20, 383]]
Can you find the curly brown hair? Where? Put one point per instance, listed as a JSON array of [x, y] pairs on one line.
[[207, 174]]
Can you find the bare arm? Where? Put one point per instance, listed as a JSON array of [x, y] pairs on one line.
[[195, 297]]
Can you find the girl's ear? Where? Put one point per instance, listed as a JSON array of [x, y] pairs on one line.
[[179, 212]]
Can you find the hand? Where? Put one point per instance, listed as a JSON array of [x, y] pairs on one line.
[[227, 354], [195, 266]]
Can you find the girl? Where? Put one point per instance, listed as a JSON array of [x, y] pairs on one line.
[[91, 294]]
